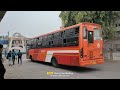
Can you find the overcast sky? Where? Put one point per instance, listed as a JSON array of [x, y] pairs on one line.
[[30, 23]]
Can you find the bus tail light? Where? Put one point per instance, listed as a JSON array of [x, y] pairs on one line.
[[81, 53]]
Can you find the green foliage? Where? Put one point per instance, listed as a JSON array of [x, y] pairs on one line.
[[104, 18], [1, 37]]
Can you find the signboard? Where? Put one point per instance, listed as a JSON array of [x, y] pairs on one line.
[[3, 41]]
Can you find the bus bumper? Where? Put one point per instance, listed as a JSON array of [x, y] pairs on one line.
[[91, 62]]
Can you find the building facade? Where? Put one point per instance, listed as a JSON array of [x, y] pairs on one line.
[[17, 42]]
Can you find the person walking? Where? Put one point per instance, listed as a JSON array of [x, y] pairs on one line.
[[13, 56], [2, 68], [9, 56], [19, 57]]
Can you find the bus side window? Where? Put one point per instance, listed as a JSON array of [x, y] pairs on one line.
[[40, 42], [46, 42], [77, 30], [49, 40], [43, 42], [64, 41], [37, 43], [71, 37], [56, 38], [62, 33], [34, 43], [52, 41], [76, 38], [31, 43]]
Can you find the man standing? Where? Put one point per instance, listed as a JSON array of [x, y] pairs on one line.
[[9, 56], [13, 56], [2, 68], [19, 57]]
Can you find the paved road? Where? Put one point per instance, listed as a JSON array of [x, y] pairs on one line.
[[38, 70]]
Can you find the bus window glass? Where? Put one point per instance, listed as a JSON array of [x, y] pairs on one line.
[[84, 33], [90, 36], [77, 30]]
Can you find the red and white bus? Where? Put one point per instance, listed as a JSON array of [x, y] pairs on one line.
[[77, 45]]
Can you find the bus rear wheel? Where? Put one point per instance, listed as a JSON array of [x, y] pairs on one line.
[[54, 62]]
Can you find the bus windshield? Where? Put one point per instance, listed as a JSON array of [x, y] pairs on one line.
[[97, 34]]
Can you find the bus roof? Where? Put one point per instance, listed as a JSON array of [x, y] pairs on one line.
[[66, 29]]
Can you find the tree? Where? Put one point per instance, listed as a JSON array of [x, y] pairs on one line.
[[104, 18]]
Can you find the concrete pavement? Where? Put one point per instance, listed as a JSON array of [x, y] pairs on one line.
[[40, 70]]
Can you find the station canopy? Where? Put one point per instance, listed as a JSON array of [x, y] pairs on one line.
[[2, 13]]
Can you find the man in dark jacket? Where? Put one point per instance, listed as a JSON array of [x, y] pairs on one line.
[[13, 56], [19, 56], [2, 68]]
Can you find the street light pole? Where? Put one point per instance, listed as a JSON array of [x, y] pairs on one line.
[[8, 41], [8, 34]]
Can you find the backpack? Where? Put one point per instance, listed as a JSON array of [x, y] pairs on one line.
[[8, 55]]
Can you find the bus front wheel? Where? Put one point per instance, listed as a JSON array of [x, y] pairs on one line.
[[54, 62]]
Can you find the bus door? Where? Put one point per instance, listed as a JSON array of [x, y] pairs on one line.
[[88, 43], [28, 46]]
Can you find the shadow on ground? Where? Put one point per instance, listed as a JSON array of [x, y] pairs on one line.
[[70, 68]]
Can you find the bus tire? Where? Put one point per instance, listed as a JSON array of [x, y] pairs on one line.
[[54, 62], [31, 58]]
